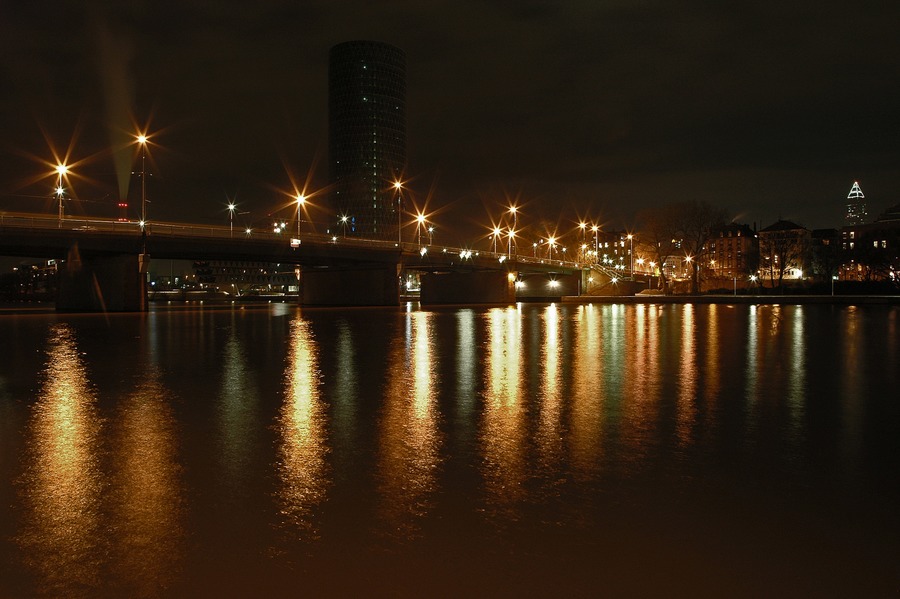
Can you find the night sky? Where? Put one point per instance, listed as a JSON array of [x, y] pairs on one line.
[[592, 109]]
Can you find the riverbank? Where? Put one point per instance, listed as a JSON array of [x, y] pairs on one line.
[[732, 299]]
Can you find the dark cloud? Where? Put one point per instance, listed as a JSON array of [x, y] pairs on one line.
[[770, 109]]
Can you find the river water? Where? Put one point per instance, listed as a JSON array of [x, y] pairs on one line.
[[532, 450]]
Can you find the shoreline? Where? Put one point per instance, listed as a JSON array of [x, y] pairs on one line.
[[732, 299], [13, 308]]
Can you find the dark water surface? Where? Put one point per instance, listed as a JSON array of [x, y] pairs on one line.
[[538, 450]]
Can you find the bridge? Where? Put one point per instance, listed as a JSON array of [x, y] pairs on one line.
[[103, 263]]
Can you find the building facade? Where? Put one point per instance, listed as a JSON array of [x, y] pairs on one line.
[[731, 250], [367, 136]]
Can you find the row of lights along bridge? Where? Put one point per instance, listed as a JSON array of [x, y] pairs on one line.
[[551, 240]]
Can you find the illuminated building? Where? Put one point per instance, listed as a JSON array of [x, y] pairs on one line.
[[730, 250], [856, 205], [366, 135]]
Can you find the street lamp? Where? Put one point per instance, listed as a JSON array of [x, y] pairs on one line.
[[631, 251], [344, 220], [497, 232], [515, 214], [596, 231], [420, 222], [509, 247], [399, 187], [231, 208], [301, 200], [61, 169], [431, 235], [142, 141]]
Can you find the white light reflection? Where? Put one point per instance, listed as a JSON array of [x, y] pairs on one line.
[[687, 378], [588, 394], [410, 445], [504, 432], [301, 454], [550, 429]]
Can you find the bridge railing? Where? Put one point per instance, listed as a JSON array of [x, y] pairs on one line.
[[223, 232]]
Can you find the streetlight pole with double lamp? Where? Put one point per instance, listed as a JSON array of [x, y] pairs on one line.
[[61, 169], [515, 214]]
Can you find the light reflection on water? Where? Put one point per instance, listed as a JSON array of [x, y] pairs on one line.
[[62, 530], [504, 431], [302, 465], [409, 447], [148, 490], [565, 448]]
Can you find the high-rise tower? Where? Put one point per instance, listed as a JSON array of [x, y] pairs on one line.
[[366, 135], [856, 205]]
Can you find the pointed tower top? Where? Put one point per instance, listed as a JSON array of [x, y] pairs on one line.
[[855, 192]]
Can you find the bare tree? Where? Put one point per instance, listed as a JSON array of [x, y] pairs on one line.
[[696, 222], [782, 247], [660, 235]]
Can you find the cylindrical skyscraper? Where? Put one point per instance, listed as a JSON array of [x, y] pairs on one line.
[[366, 135]]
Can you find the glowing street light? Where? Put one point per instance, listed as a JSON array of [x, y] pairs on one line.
[[231, 208], [515, 214], [420, 223], [142, 141], [596, 231], [61, 170], [301, 200], [511, 236], [344, 220], [496, 234], [431, 235], [631, 251], [399, 187]]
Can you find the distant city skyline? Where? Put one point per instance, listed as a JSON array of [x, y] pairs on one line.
[[574, 109]]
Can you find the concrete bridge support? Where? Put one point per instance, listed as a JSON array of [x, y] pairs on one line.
[[102, 283], [476, 287], [359, 286]]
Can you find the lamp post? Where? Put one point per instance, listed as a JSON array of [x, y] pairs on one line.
[[301, 200], [631, 252], [596, 231], [344, 220], [515, 214], [142, 141], [511, 234], [399, 187], [420, 222], [833, 279], [231, 208], [61, 169], [497, 233]]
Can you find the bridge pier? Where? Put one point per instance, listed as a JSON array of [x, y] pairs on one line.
[[351, 286], [474, 287], [102, 283]]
